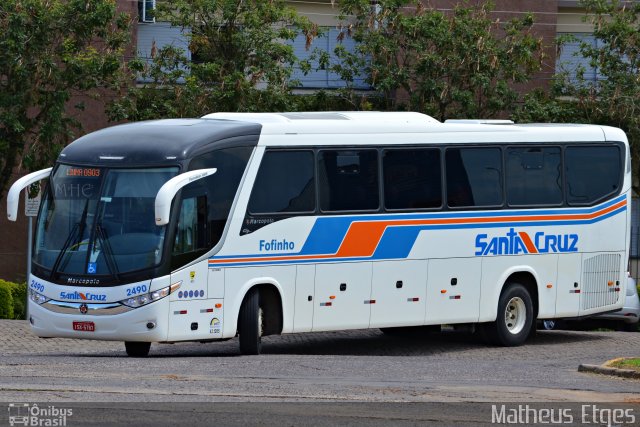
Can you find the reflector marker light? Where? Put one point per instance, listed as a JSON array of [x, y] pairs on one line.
[[574, 291], [413, 299], [455, 297], [175, 286], [369, 301], [206, 310], [218, 305], [332, 297], [549, 286], [180, 312], [444, 291], [609, 283], [325, 304]]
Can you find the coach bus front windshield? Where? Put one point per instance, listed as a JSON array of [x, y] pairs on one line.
[[96, 222]]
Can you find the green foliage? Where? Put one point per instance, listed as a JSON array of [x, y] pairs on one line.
[[449, 65], [50, 51], [13, 297], [19, 295], [543, 107], [242, 61], [6, 301], [626, 363]]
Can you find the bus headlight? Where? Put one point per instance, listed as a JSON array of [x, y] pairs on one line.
[[37, 298], [144, 299]]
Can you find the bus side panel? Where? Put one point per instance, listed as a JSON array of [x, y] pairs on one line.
[[496, 272], [603, 282], [569, 282], [193, 314], [238, 281], [453, 290], [399, 293], [342, 296], [304, 304]]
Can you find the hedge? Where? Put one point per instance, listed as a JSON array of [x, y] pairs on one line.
[[13, 298]]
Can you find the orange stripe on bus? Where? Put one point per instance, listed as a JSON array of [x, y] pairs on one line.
[[528, 243], [361, 239]]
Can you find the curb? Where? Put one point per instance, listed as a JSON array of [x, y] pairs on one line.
[[604, 370]]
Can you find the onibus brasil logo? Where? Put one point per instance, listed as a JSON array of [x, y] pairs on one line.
[[25, 414], [520, 242]]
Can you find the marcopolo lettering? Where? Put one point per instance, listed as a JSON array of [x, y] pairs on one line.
[[520, 242], [276, 245]]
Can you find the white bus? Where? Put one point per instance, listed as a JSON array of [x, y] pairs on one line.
[[258, 224]]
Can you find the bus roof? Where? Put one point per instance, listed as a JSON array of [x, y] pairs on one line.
[[165, 141], [158, 141], [455, 131]]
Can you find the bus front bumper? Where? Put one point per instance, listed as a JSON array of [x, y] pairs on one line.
[[148, 323]]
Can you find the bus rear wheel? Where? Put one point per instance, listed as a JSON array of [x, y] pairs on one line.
[[515, 317], [250, 324], [137, 349]]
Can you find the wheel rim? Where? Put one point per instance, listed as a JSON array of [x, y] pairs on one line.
[[515, 315]]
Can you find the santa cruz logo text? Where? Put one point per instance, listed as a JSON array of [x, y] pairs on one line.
[[79, 296], [520, 242]]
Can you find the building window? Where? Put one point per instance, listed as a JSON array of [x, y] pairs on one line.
[[571, 61], [323, 79], [146, 10]]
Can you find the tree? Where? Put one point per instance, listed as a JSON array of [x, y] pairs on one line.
[[614, 99], [49, 51], [449, 65], [241, 60]]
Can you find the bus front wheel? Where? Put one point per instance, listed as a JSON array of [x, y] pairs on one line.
[[250, 324], [514, 319], [137, 349]]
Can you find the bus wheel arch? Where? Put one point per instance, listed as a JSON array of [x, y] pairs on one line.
[[271, 304], [516, 311], [528, 280], [260, 314]]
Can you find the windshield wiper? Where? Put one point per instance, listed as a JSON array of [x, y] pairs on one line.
[[107, 251], [78, 228]]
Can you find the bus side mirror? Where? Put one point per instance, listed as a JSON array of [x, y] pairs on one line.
[[13, 197], [168, 191]]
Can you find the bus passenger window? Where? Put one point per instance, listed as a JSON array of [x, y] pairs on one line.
[[592, 173], [534, 176], [412, 178], [474, 177], [348, 180], [285, 183]]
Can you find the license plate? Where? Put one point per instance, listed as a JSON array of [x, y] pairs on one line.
[[84, 326]]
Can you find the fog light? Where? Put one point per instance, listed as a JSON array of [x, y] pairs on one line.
[[151, 325]]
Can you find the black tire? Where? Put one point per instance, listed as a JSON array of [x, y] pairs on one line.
[[249, 324], [508, 331], [137, 349]]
